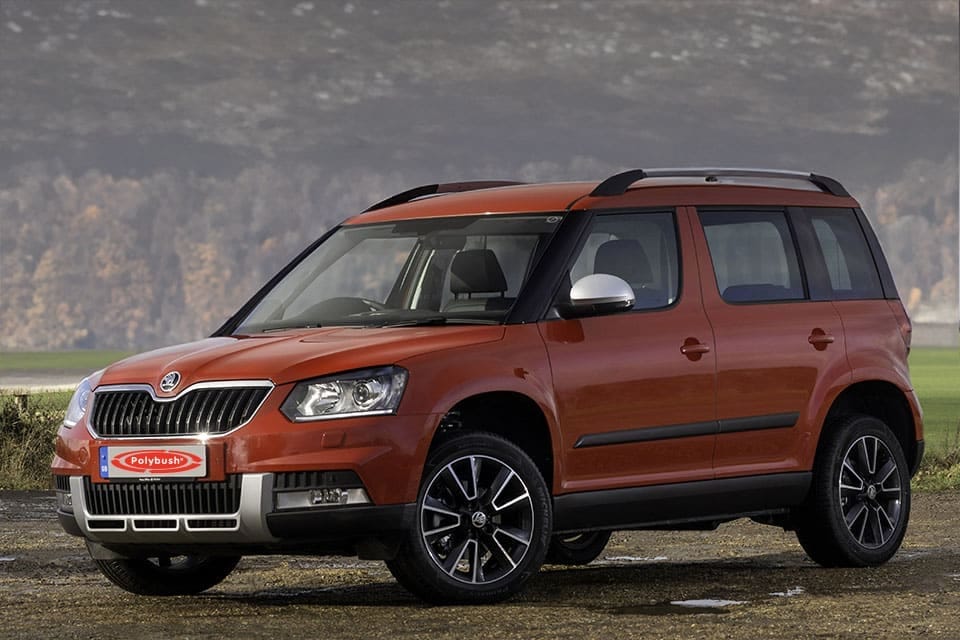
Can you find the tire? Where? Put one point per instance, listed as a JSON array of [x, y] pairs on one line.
[[578, 548], [166, 576], [859, 503], [483, 523]]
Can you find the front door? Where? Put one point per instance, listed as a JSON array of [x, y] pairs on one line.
[[635, 389]]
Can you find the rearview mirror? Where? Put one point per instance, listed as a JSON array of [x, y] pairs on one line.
[[598, 294]]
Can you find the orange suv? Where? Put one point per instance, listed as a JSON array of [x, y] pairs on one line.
[[468, 380]]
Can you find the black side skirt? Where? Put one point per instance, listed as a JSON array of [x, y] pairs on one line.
[[679, 504]]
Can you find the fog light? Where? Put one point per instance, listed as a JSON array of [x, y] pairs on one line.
[[328, 496], [325, 497], [64, 501]]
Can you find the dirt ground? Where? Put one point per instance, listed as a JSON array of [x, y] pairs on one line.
[[49, 589]]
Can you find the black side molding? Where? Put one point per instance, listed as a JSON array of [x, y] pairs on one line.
[[648, 434], [676, 505], [691, 430], [754, 423], [431, 189]]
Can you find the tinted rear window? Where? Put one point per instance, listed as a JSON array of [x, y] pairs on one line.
[[850, 269]]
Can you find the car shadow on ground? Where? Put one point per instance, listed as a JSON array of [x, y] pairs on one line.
[[615, 588]]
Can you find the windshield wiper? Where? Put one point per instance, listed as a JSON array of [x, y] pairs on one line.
[[435, 321], [270, 328]]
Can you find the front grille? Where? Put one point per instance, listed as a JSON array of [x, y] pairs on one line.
[[155, 524], [162, 498], [134, 413], [212, 524], [61, 483]]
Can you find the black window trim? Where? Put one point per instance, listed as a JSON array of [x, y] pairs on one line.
[[536, 294], [811, 255], [887, 283]]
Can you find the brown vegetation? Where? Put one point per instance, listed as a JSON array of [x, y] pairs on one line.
[[99, 261]]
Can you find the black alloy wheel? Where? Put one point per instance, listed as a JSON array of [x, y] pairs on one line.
[[859, 503], [483, 523]]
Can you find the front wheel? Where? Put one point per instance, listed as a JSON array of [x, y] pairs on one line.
[[166, 575], [859, 503], [483, 523]]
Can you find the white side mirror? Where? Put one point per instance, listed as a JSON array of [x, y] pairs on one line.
[[598, 294]]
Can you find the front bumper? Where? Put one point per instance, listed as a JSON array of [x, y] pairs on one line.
[[257, 525]]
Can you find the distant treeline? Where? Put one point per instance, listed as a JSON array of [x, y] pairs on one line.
[[94, 261]]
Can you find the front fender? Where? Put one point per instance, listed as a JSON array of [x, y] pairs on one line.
[[518, 363]]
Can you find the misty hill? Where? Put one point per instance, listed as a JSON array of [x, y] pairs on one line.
[[161, 160]]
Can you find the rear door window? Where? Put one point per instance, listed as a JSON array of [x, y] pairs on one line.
[[753, 255]]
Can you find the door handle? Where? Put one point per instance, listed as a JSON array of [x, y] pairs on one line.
[[693, 348], [820, 339]]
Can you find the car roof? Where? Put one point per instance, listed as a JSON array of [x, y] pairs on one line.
[[457, 199]]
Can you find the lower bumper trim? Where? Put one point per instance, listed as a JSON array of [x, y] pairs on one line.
[[69, 523], [343, 522]]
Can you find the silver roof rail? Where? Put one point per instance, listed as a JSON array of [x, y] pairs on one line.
[[618, 184]]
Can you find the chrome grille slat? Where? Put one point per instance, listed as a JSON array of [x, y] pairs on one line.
[[249, 406], [189, 401], [233, 410], [148, 419], [126, 413], [163, 498], [220, 414], [203, 418], [113, 407]]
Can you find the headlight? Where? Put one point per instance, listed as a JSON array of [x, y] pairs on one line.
[[358, 393], [78, 403]]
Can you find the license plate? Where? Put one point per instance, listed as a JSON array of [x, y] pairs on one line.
[[189, 461]]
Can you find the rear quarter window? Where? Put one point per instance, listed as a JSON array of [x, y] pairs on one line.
[[836, 250]]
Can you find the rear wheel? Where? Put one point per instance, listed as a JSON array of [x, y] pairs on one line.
[[168, 575], [577, 548], [859, 504], [483, 523]]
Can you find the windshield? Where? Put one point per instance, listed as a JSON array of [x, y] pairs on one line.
[[464, 269]]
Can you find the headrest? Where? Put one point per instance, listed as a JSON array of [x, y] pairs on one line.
[[476, 271], [625, 259]]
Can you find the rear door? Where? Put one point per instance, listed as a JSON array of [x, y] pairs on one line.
[[842, 268], [775, 345], [634, 408]]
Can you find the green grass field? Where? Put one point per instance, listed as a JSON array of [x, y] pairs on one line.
[[936, 378], [87, 360]]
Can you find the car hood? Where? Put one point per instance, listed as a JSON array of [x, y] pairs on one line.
[[291, 355]]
